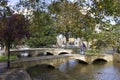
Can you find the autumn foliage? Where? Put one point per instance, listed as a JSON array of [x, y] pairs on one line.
[[13, 28]]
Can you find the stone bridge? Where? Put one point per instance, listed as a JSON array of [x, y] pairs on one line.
[[57, 60], [42, 51]]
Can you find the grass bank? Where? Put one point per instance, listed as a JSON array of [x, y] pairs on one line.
[[4, 58], [87, 52]]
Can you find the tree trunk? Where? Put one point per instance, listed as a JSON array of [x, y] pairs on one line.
[[8, 53], [67, 39]]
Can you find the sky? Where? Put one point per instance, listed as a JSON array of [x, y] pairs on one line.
[[12, 2]]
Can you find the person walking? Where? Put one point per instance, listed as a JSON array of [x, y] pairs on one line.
[[82, 48]]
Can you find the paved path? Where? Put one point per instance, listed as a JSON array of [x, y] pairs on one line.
[[109, 51], [3, 67]]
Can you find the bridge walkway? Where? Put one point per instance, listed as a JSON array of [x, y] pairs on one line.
[[42, 58]]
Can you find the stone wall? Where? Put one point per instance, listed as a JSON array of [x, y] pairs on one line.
[[37, 51], [55, 61], [116, 57]]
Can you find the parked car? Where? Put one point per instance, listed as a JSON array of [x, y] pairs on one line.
[[23, 53]]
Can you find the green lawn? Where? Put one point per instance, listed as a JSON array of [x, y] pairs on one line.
[[4, 58], [90, 52], [87, 52]]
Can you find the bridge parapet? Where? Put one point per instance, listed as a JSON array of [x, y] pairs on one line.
[[106, 57], [57, 60], [42, 51], [54, 61]]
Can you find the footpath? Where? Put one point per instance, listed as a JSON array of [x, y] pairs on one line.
[[3, 67]]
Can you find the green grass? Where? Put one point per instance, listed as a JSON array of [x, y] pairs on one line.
[[4, 58], [90, 52], [87, 52]]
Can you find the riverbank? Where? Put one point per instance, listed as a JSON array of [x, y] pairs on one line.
[[116, 57], [21, 74], [12, 74]]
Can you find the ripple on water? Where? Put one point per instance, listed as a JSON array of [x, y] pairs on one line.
[[106, 71], [46, 73]]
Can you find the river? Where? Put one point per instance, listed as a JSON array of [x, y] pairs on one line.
[[73, 70]]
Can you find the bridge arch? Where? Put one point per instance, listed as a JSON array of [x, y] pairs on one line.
[[57, 60], [81, 61], [71, 63], [40, 66], [99, 60], [63, 53], [49, 53], [78, 60]]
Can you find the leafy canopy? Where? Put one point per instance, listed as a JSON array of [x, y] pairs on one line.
[[13, 28]]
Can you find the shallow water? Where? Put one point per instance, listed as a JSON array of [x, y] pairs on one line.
[[73, 70]]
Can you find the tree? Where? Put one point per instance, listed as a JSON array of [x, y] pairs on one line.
[[12, 29], [4, 8], [103, 15], [43, 33], [115, 37], [100, 10], [41, 24], [70, 20], [42, 30]]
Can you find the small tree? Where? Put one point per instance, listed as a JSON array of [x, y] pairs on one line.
[[13, 29]]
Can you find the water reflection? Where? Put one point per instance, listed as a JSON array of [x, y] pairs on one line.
[[73, 70], [107, 72], [45, 72], [69, 65]]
